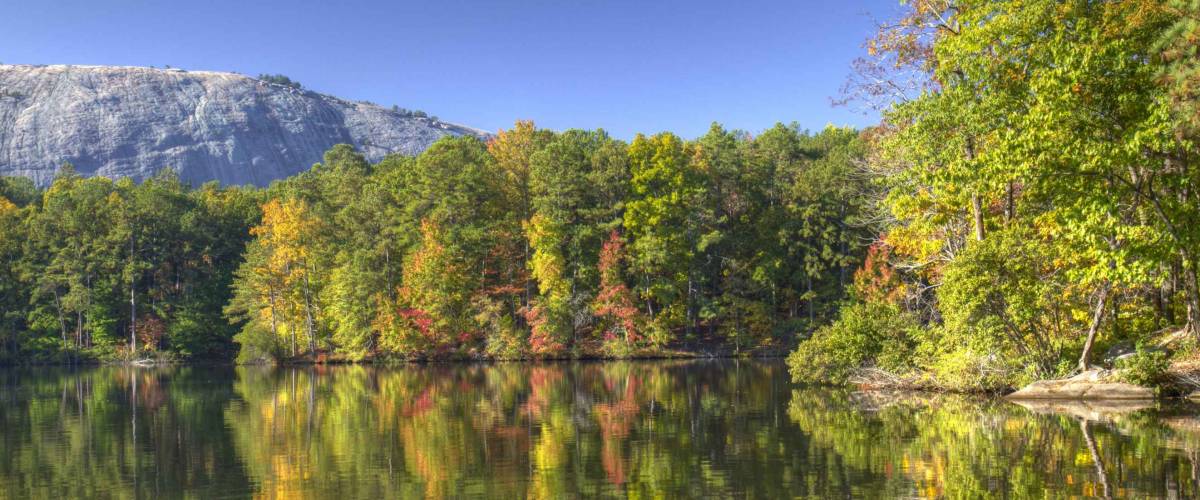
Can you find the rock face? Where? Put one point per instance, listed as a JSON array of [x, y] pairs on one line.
[[1091, 385], [132, 122]]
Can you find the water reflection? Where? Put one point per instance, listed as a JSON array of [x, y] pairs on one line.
[[115, 433], [561, 430]]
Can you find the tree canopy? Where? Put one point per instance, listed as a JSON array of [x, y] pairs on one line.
[[1039, 200], [532, 244]]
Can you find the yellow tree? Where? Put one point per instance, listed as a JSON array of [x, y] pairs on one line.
[[513, 151], [288, 234], [549, 315]]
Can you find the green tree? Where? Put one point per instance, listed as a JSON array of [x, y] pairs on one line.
[[663, 188]]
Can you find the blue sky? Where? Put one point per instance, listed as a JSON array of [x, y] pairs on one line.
[[625, 66]]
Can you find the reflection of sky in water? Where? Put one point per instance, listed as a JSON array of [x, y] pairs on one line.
[[682, 429]]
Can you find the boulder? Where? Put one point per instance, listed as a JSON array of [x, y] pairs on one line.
[[1118, 351], [1089, 385]]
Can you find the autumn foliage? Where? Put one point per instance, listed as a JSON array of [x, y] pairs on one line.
[[615, 306]]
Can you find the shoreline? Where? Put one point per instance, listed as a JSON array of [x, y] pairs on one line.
[[330, 360], [1173, 389]]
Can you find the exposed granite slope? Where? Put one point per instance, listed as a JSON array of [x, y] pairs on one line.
[[132, 122]]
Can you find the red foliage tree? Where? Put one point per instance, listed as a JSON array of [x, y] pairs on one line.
[[614, 305]]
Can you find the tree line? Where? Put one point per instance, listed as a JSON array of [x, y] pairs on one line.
[[1041, 201], [95, 268], [531, 243], [1028, 207]]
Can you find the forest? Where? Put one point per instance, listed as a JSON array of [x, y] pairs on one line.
[[1028, 207], [532, 244], [1042, 206]]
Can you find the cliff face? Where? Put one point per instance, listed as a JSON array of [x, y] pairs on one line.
[[132, 122]]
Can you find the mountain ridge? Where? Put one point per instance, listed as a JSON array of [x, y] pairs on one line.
[[130, 121]]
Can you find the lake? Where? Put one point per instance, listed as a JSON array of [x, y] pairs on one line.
[[561, 430]]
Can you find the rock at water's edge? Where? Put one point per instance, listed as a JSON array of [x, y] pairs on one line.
[[1091, 385]]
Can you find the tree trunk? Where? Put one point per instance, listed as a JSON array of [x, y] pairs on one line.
[[976, 202], [1192, 295], [132, 317], [690, 317], [62, 322], [88, 306], [1168, 292], [271, 301], [977, 214], [1097, 318], [132, 300], [649, 300], [308, 316], [1114, 310], [812, 304], [1159, 307]]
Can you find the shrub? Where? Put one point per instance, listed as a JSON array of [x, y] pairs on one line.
[[616, 347], [1006, 305], [258, 345], [280, 80], [1146, 367], [870, 334], [972, 370]]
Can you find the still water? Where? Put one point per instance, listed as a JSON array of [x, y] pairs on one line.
[[567, 430]]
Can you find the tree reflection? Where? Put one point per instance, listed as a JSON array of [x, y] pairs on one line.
[[960, 447], [544, 430], [74, 434], [674, 429]]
